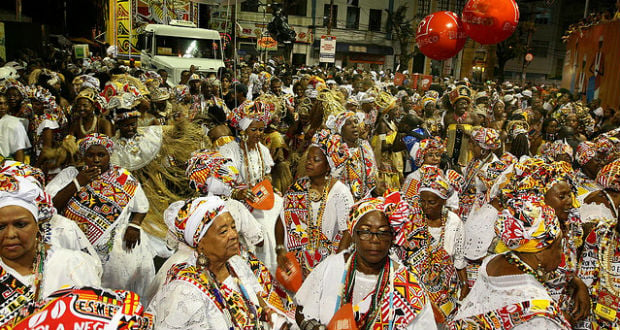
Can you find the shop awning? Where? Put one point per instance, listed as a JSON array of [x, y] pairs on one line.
[[345, 47]]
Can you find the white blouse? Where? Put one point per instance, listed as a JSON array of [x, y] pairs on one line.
[[63, 268], [494, 292]]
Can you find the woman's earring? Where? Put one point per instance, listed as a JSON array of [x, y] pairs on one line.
[[202, 261]]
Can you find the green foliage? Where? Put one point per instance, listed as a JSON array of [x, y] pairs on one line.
[[404, 32]]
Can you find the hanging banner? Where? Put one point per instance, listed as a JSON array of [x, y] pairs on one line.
[[327, 51], [2, 42], [591, 69], [266, 43]]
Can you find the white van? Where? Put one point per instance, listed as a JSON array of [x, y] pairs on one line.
[[175, 48]]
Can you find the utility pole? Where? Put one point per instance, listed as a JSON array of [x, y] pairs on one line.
[[331, 16], [585, 10]]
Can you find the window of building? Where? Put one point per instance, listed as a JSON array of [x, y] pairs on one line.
[[249, 5], [540, 48], [353, 18], [326, 9], [424, 8], [543, 16], [298, 8], [443, 5], [374, 21], [355, 3], [458, 6]]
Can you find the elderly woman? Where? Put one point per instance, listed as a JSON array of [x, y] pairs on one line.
[[360, 169], [313, 223], [215, 288], [30, 268], [365, 279], [440, 260], [509, 292], [108, 203]]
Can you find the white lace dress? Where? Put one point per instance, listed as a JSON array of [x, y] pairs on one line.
[[494, 292], [13, 136], [63, 268], [182, 305], [454, 238]]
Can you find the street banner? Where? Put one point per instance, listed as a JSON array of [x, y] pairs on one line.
[[327, 53], [266, 43], [2, 41]]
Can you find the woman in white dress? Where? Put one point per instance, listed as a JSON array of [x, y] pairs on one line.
[[313, 223], [108, 204], [253, 160], [364, 284], [31, 269], [509, 292], [214, 288]]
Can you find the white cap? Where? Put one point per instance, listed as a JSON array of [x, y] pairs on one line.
[[527, 93]]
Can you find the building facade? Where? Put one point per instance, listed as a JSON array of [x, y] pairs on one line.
[[360, 28]]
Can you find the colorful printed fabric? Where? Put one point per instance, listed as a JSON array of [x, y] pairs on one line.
[[553, 150], [511, 316], [609, 176], [273, 293], [335, 122], [333, 148], [14, 295], [535, 176], [196, 216], [26, 193], [97, 205], [88, 307], [585, 152], [433, 180], [204, 164], [234, 302], [516, 127], [408, 301], [486, 138], [600, 275], [527, 224], [24, 170], [460, 92], [397, 210], [95, 139], [242, 116], [427, 145], [300, 227], [360, 171]]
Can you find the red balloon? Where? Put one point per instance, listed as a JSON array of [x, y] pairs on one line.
[[490, 21], [440, 35]]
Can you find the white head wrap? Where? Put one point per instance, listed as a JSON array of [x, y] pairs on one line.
[[24, 194]]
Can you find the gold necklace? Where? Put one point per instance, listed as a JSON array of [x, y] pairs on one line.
[[606, 256], [92, 127]]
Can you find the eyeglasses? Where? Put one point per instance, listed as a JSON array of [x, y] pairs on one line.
[[366, 235]]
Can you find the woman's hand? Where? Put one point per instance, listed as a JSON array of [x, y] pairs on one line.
[[132, 237], [87, 175], [581, 297], [245, 194], [283, 261]]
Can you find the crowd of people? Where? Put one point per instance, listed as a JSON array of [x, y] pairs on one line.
[[270, 197]]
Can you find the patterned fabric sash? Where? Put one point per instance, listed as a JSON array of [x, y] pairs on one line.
[[408, 301], [235, 303], [273, 294], [296, 218], [14, 295], [441, 280], [508, 317], [359, 172], [97, 205]]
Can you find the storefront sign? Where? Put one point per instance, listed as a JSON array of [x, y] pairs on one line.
[[327, 51]]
